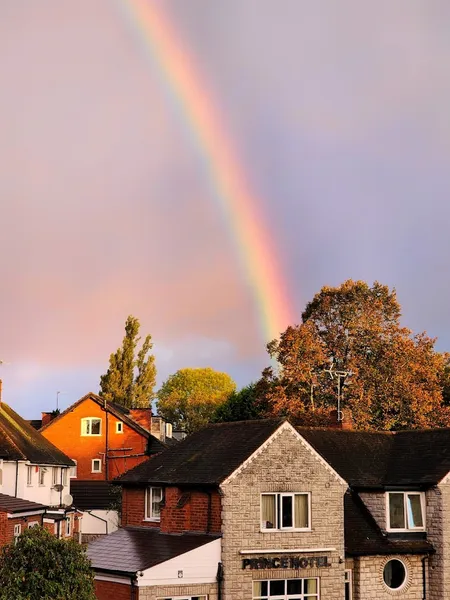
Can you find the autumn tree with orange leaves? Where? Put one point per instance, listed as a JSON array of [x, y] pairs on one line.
[[396, 378]]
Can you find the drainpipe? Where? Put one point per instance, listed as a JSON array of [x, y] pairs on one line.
[[106, 439], [219, 578], [17, 478], [424, 578], [133, 587]]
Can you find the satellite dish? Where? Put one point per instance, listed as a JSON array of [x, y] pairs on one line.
[[67, 500], [58, 487]]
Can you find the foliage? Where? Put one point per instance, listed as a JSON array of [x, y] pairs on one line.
[[41, 567], [130, 378], [190, 397], [240, 406], [395, 379]]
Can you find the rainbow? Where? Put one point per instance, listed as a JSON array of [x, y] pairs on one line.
[[241, 208]]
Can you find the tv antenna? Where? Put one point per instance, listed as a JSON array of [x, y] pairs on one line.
[[341, 376], [57, 398]]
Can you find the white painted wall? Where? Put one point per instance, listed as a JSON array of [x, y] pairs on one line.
[[44, 494], [91, 524], [197, 566]]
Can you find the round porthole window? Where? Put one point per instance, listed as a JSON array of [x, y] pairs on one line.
[[394, 574]]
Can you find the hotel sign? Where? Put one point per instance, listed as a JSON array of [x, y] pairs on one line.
[[286, 562]]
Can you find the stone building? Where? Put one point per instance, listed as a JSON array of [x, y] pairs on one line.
[[263, 510]]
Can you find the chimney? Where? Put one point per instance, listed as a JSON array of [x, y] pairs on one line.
[[142, 416], [46, 418], [345, 421]]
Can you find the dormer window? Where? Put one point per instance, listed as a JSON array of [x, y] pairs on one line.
[[91, 426], [405, 511]]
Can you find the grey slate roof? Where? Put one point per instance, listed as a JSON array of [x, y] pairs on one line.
[[92, 495], [133, 549], [206, 457], [20, 441], [363, 537], [154, 445], [12, 505]]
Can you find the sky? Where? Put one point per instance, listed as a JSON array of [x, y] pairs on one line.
[[337, 118]]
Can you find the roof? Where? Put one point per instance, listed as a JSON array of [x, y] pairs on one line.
[[367, 459], [207, 456], [154, 445], [20, 441], [11, 504], [92, 495], [363, 537], [133, 549]]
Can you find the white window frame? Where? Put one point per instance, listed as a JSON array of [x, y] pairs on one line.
[[54, 476], [64, 476], [30, 475], [119, 427], [95, 460], [348, 579], [278, 509], [32, 524], [41, 476], [86, 425], [17, 529], [68, 528], [285, 596], [405, 509], [73, 470], [149, 503]]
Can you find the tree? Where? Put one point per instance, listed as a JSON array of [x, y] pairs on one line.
[[39, 566], [190, 397], [240, 406], [130, 378], [350, 345]]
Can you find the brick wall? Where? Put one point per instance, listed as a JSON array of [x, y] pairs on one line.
[[65, 433], [285, 465], [7, 526], [110, 590], [369, 584]]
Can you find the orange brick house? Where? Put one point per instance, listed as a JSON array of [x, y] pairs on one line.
[[104, 439]]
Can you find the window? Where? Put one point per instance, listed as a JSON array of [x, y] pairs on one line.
[[91, 426], [119, 427], [29, 475], [32, 524], [42, 472], [153, 498], [73, 470], [64, 476], [68, 527], [394, 574], [286, 511], [17, 530], [286, 589], [348, 585], [55, 476], [405, 511], [96, 465]]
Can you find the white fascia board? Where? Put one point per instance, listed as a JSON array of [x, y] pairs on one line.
[[30, 513], [197, 566], [286, 427]]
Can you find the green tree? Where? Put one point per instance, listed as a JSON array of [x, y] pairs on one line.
[[130, 378], [190, 397], [242, 405], [41, 567], [389, 378]]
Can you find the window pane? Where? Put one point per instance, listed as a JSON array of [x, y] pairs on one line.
[[301, 511], [156, 499], [394, 574], [294, 586], [95, 427], [414, 508], [396, 511], [260, 588], [277, 587], [310, 586], [268, 512], [286, 511]]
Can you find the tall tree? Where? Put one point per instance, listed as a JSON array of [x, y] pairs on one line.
[[242, 405], [190, 397], [39, 566], [350, 346], [130, 378]]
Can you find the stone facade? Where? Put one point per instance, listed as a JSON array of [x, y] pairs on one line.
[[157, 592], [285, 464], [368, 579], [376, 503]]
